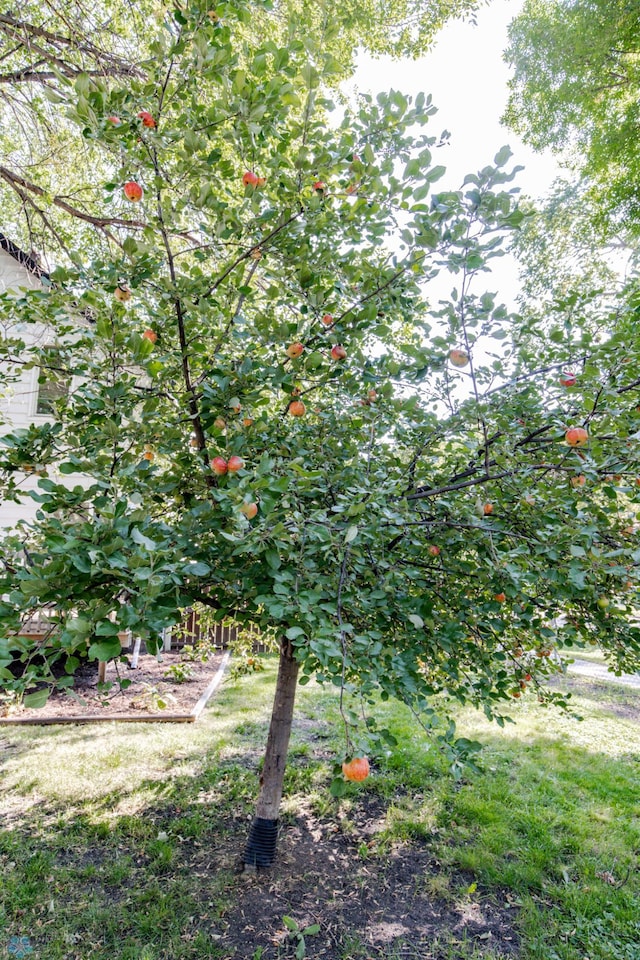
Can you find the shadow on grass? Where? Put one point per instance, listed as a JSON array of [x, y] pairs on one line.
[[524, 859]]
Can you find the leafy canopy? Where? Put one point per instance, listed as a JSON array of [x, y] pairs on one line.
[[575, 88], [423, 529]]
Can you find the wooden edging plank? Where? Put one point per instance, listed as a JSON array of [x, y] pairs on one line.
[[190, 717]]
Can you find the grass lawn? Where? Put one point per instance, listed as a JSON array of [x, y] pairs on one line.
[[122, 841]]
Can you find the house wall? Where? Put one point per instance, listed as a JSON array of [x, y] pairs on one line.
[[18, 400]]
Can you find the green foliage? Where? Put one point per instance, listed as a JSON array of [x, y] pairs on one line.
[[399, 449], [575, 89], [179, 672]]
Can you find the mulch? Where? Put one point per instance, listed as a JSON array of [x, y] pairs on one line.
[[153, 694]]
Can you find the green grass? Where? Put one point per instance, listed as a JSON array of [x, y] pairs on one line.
[[109, 832]]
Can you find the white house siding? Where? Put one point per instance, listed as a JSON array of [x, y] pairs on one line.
[[18, 400]]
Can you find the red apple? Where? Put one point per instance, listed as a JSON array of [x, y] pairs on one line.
[[219, 466], [249, 510], [578, 481], [147, 119], [122, 294], [356, 769], [568, 378], [433, 550], [250, 179], [116, 121], [234, 464], [576, 436], [500, 597], [320, 187], [338, 352], [294, 350], [297, 408], [132, 191], [247, 421], [327, 319], [260, 182], [487, 509], [459, 358], [150, 335]]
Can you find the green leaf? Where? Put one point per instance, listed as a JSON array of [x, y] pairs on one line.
[[416, 620], [339, 787], [138, 537], [198, 569], [351, 534], [105, 650], [38, 699]]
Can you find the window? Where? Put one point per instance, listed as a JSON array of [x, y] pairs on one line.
[[53, 382]]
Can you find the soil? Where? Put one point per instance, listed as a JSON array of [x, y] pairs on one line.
[[152, 692], [389, 905]]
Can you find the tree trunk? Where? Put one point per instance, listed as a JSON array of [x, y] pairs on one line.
[[261, 846]]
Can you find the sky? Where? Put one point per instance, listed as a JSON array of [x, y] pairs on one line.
[[467, 78]]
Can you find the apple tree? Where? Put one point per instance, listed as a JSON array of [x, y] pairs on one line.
[[294, 401]]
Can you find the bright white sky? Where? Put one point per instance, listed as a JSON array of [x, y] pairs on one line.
[[467, 78]]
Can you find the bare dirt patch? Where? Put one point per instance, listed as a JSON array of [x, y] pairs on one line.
[[152, 692], [371, 907]]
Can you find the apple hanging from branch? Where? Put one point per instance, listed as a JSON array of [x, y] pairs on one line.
[[356, 769], [294, 350], [459, 358], [132, 191], [576, 437]]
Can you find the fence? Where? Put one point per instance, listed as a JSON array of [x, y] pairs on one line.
[[219, 635], [193, 629]]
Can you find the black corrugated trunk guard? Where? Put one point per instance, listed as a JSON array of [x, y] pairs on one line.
[[261, 845]]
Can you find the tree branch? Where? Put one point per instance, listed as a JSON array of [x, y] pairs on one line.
[[19, 184]]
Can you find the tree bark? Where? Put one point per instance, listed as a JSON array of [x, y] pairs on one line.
[[261, 846]]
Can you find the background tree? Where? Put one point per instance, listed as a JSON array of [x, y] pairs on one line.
[[575, 90], [275, 415]]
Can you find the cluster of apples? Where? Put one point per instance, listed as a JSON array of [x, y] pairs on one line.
[[220, 467], [251, 179], [295, 350]]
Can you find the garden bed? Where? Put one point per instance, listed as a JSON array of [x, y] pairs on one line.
[[168, 690]]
